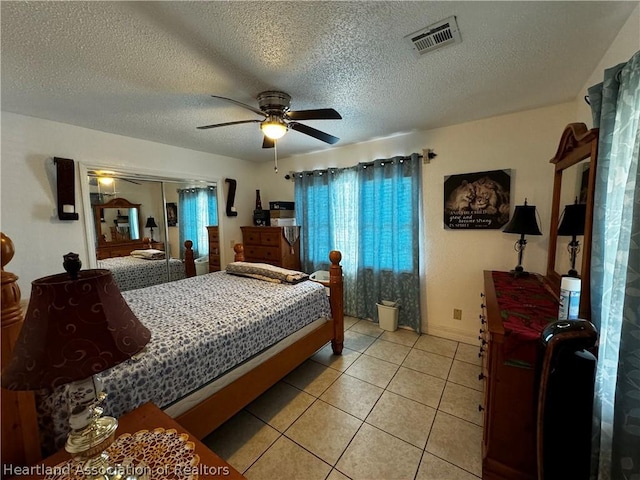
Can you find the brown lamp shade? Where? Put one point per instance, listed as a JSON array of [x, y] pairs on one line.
[[573, 220], [72, 330], [523, 221]]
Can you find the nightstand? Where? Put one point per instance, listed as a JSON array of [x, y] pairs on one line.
[[149, 417]]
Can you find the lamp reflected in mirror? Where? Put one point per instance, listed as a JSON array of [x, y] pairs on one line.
[[151, 224], [523, 223], [572, 225]]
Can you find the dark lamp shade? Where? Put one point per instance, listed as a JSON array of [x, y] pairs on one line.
[[573, 219], [151, 223], [73, 329], [523, 221]]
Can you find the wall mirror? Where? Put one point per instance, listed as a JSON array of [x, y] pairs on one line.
[[127, 211], [117, 220], [574, 180]]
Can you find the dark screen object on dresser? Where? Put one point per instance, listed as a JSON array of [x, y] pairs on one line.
[[565, 401]]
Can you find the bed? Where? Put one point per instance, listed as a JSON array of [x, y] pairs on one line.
[[215, 391], [131, 272]]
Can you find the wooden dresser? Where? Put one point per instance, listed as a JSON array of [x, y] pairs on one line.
[[214, 249], [515, 310], [269, 245]]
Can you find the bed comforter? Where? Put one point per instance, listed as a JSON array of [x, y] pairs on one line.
[[201, 327], [131, 273]]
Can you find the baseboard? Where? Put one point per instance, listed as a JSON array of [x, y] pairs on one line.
[[456, 334]]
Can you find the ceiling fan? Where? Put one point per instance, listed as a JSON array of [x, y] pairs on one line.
[[278, 119]]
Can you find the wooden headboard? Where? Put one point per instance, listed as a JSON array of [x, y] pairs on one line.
[[123, 249]]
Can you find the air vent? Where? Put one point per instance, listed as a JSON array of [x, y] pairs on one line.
[[435, 36]]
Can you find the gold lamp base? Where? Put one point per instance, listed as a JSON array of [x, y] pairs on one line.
[[89, 445], [91, 433]]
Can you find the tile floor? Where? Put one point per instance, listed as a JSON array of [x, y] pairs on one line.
[[395, 405]]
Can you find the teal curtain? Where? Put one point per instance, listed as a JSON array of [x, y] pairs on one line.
[[370, 213], [197, 209], [134, 223], [615, 273]]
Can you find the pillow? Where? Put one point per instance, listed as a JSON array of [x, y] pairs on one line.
[[148, 254], [266, 272]]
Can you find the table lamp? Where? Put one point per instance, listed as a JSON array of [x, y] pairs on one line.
[[151, 224], [77, 325], [523, 223], [572, 225]]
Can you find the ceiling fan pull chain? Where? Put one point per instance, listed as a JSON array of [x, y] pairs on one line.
[[275, 151]]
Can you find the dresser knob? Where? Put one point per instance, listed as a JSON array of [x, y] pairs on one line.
[[482, 319], [481, 376], [480, 408], [483, 306], [482, 294], [481, 331]]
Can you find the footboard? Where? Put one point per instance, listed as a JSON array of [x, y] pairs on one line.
[[222, 405]]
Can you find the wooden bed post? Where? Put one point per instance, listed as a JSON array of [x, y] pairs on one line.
[[238, 248], [20, 436], [337, 301], [189, 262]]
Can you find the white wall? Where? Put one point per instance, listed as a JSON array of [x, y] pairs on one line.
[[454, 260], [28, 208]]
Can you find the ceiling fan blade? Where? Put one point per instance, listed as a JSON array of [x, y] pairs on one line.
[[130, 181], [268, 142], [243, 105], [205, 127], [325, 137], [319, 114]]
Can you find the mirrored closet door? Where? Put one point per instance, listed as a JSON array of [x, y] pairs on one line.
[[137, 224]]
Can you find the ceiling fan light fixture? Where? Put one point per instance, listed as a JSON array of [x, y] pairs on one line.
[[106, 181], [274, 127]]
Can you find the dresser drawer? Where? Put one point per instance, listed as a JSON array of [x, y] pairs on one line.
[[253, 253], [214, 263], [251, 237], [270, 238], [213, 235]]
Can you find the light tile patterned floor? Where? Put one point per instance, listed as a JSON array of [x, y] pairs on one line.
[[395, 405]]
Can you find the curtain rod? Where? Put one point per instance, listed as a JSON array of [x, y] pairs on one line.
[[427, 155]]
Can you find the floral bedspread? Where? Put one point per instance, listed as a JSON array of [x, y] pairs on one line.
[[131, 273], [201, 327]]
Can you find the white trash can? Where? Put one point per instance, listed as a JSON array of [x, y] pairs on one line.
[[388, 315], [202, 265]]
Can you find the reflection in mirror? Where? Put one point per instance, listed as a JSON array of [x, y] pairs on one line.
[[575, 164], [116, 221], [574, 189], [121, 206], [192, 213]]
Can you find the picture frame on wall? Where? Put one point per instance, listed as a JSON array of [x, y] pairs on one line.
[[476, 201], [172, 214]]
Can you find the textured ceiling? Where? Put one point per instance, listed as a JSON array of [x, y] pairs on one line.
[[146, 69]]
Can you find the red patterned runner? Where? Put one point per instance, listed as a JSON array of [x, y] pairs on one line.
[[526, 307]]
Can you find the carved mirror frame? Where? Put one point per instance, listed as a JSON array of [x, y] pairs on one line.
[[576, 144], [120, 204]]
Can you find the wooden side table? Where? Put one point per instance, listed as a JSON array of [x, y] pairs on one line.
[[149, 417]]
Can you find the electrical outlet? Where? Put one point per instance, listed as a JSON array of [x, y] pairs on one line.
[[457, 314]]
